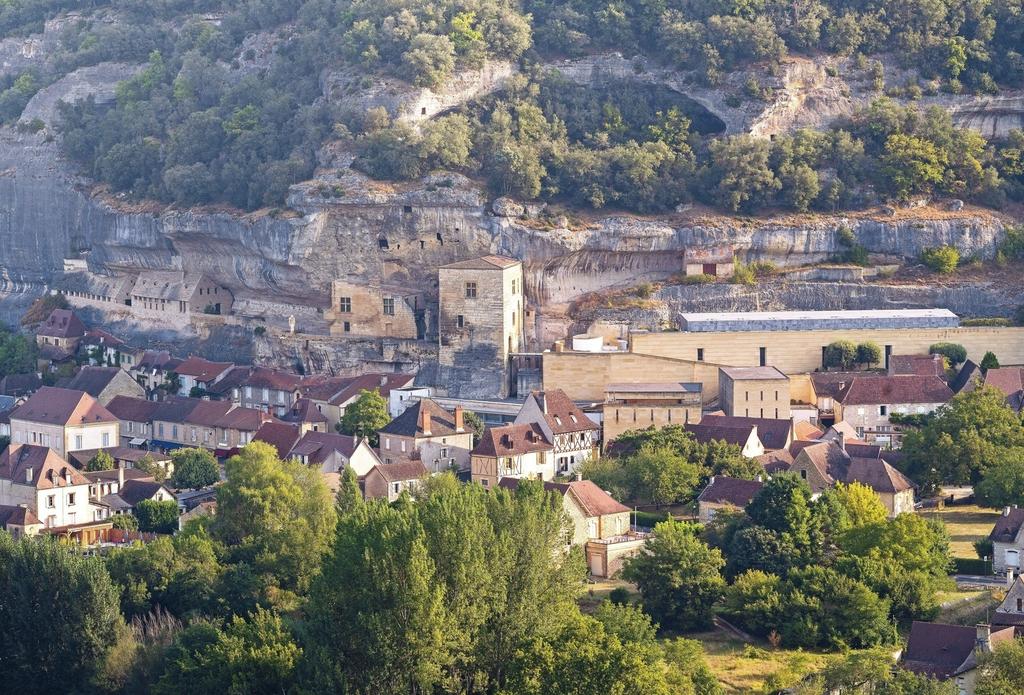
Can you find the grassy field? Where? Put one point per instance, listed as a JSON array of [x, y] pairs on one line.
[[743, 668], [965, 525], [968, 607]]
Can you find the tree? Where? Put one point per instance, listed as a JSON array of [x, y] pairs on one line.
[[349, 496], [194, 468], [872, 671], [783, 505], [989, 361], [954, 352], [102, 461], [159, 516], [960, 440], [740, 172], [912, 164], [1002, 673], [365, 416], [61, 604], [679, 577], [148, 464], [868, 353], [256, 654], [662, 476], [943, 259], [1002, 483], [823, 608], [429, 60], [473, 423], [857, 506], [275, 516], [840, 354], [126, 522]]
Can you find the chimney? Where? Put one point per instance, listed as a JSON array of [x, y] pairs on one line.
[[459, 425], [383, 379], [1009, 577], [983, 640], [1006, 511], [120, 477], [842, 442], [711, 480], [579, 475], [424, 420]]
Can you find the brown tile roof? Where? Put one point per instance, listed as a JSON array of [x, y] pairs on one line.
[[174, 409], [725, 490], [17, 516], [919, 365], [1007, 526], [201, 369], [317, 446], [134, 491], [774, 434], [280, 435], [112, 475], [134, 409], [512, 440], [92, 380], [878, 475], [827, 458], [47, 468], [593, 500], [398, 472], [830, 384], [305, 410], [231, 380], [96, 336], [62, 323], [207, 413], [244, 419], [738, 435], [804, 430], [967, 379], [775, 461], [409, 423], [381, 383], [895, 389], [483, 263], [20, 384], [943, 651], [262, 377], [1009, 380], [156, 360], [561, 413], [56, 406]]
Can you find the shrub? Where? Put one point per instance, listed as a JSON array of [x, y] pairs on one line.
[[701, 279], [841, 354], [619, 596], [956, 354], [868, 353], [159, 517], [764, 268], [125, 522], [973, 566], [259, 330], [984, 548], [743, 274], [644, 290], [996, 321], [943, 259], [649, 519], [989, 361]]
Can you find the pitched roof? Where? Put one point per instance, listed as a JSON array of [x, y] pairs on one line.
[[57, 406], [305, 410], [92, 380], [398, 472], [243, 419], [943, 651], [512, 440], [775, 461], [878, 475], [202, 369], [207, 413], [231, 380], [830, 384], [806, 431], [134, 491], [1007, 526], [774, 434], [39, 466], [114, 474], [62, 323], [895, 389], [1009, 380], [730, 434], [967, 378], [97, 336], [561, 413], [156, 359], [409, 423], [20, 384], [317, 446], [381, 383], [171, 285], [1007, 613], [919, 365], [279, 380], [491, 262], [17, 516], [280, 435], [592, 500], [133, 409], [723, 489]]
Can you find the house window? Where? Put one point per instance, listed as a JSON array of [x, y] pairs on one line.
[[131, 426], [248, 391], [346, 327], [444, 453], [389, 306], [460, 321], [513, 286], [763, 356], [106, 439], [387, 443], [883, 410], [71, 499], [470, 290], [174, 431], [345, 305], [700, 354], [78, 441], [51, 501], [803, 473], [266, 395], [1020, 605], [402, 443], [395, 487]]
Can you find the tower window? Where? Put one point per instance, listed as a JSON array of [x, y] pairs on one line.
[[460, 321], [470, 290], [345, 305], [389, 306]]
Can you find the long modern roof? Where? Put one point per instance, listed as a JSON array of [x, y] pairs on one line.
[[745, 321]]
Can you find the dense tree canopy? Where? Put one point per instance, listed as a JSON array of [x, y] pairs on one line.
[[194, 468]]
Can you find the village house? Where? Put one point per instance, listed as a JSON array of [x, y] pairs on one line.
[[868, 403], [270, 390], [105, 292], [280, 435], [427, 432], [375, 311], [228, 386], [120, 490], [307, 416], [58, 336], [136, 416], [1010, 612], [331, 395], [177, 295], [53, 490], [21, 386], [104, 383], [951, 652], [19, 521], [1007, 541], [197, 375], [574, 435], [1010, 381], [761, 392], [743, 436], [104, 349], [124, 457], [154, 369], [389, 481], [64, 421], [512, 451], [917, 365], [638, 406], [723, 492], [332, 453]]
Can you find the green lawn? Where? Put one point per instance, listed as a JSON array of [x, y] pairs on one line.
[[968, 607], [742, 668], [965, 525]]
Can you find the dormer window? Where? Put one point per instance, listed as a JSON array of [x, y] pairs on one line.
[[573, 418], [558, 421]]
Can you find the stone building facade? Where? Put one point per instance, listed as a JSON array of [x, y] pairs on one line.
[[638, 406], [481, 323], [761, 392], [376, 311]]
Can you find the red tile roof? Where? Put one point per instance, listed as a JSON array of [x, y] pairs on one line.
[[201, 369], [317, 446], [895, 389], [276, 379], [398, 472], [17, 516], [512, 440], [1009, 380], [561, 413], [919, 365], [409, 423], [592, 500], [134, 409], [39, 466], [280, 435], [56, 406], [774, 434], [722, 489]]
